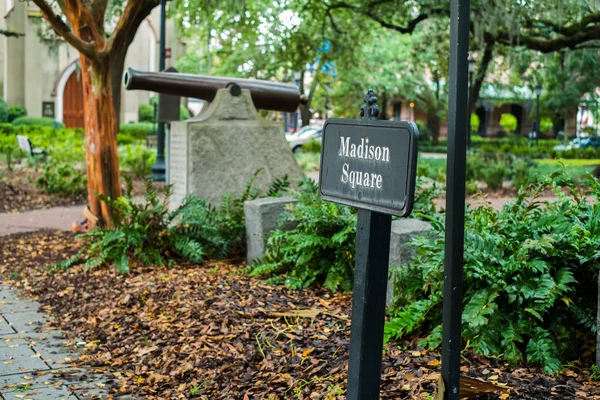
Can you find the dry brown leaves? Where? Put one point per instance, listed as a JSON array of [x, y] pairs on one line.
[[208, 332]]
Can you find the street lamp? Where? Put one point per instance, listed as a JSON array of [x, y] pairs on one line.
[[471, 62], [538, 92]]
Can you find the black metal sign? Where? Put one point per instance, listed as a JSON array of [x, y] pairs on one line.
[[369, 164]]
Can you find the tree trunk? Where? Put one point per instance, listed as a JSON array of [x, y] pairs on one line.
[[434, 123], [101, 127], [488, 52]]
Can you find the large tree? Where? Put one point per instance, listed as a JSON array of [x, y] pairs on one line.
[[85, 25]]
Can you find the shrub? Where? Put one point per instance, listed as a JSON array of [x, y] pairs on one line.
[[15, 112], [137, 159], [521, 170], [139, 131], [37, 121], [313, 146], [9, 150], [62, 179], [6, 128], [545, 125], [508, 122], [495, 173], [3, 111], [424, 132], [475, 122], [530, 274], [320, 247], [146, 113], [184, 113]]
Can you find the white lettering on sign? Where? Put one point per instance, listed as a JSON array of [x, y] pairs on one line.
[[366, 152]]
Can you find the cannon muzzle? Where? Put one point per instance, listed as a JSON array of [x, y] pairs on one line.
[[266, 95]]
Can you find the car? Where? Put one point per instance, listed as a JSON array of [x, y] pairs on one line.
[[580, 143], [303, 136]]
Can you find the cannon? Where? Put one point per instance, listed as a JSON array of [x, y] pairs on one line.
[[218, 151], [265, 95]]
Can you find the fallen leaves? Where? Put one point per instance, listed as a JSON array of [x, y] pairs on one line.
[[191, 332]]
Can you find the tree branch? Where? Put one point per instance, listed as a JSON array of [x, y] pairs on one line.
[[134, 14], [546, 45], [10, 33], [86, 48]]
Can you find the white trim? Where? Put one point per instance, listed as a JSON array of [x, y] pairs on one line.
[[60, 89]]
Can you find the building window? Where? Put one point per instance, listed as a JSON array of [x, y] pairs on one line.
[[9, 5]]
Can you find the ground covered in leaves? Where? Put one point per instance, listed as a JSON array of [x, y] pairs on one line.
[[209, 332]]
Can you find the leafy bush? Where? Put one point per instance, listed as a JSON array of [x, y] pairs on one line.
[[137, 159], [508, 122], [494, 174], [320, 247], [139, 130], [521, 168], [424, 132], [146, 113], [3, 111], [15, 112], [530, 275], [9, 150], [62, 179], [184, 113], [148, 234], [475, 122], [545, 124], [37, 121], [313, 146]]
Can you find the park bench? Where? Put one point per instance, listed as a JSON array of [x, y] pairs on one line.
[[27, 147]]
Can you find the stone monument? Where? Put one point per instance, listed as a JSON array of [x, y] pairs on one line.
[[218, 151]]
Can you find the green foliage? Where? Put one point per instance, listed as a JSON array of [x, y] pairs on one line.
[[319, 247], [508, 122], [494, 173], [142, 233], [184, 113], [545, 125], [146, 113], [424, 132], [521, 173], [139, 131], [15, 112], [308, 161], [36, 121], [3, 111], [530, 274], [62, 179], [9, 150], [313, 146], [475, 122], [137, 159], [147, 233]]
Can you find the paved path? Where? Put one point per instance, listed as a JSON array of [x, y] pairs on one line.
[[35, 359], [59, 218]]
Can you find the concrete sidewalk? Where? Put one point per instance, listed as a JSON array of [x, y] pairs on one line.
[[35, 359], [59, 218]]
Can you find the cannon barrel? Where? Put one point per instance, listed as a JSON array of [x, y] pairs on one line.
[[265, 94]]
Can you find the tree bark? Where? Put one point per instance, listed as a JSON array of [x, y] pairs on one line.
[[488, 52], [434, 123], [101, 127]]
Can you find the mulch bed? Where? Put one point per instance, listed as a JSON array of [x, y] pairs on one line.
[[209, 332], [18, 193]]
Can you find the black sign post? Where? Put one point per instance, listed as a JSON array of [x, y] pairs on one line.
[[370, 165]]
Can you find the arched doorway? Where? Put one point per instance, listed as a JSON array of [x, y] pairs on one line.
[[73, 101]]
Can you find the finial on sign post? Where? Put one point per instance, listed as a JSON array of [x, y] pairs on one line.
[[369, 110]]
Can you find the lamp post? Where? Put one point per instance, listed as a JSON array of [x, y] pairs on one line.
[[471, 62], [159, 167], [538, 92]]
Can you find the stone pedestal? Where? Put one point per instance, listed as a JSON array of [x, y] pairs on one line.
[[403, 231], [262, 218], [217, 152]]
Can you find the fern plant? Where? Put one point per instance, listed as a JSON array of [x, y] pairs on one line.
[[149, 234], [530, 278], [319, 248]]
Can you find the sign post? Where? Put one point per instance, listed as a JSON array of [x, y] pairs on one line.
[[370, 165]]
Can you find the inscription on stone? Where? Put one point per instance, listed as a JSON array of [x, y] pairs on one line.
[[178, 171]]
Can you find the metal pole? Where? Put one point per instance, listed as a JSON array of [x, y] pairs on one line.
[[537, 118], [455, 198], [158, 169], [368, 304]]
